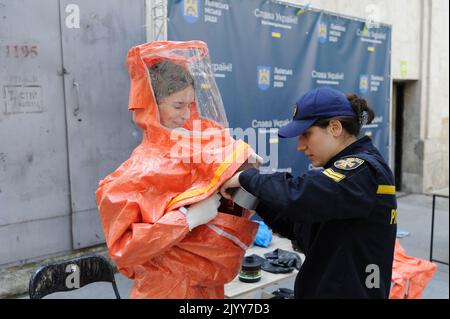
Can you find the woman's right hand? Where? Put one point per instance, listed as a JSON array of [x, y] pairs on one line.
[[233, 182]]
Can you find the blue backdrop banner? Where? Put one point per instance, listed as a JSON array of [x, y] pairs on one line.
[[266, 54]]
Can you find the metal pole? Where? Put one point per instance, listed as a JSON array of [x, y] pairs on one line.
[[432, 228]]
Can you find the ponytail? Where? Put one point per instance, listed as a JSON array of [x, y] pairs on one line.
[[362, 109]]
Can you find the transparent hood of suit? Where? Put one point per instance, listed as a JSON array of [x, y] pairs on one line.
[[183, 86]]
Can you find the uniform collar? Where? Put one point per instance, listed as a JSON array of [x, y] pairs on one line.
[[358, 146]]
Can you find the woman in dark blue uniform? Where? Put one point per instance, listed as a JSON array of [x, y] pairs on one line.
[[342, 217]]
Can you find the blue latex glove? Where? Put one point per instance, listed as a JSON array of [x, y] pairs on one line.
[[264, 235]]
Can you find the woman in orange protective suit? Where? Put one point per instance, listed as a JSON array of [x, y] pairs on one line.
[[159, 208]]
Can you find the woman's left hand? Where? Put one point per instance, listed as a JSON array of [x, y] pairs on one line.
[[233, 182]]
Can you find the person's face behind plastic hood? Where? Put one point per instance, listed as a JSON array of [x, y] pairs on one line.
[[182, 92], [174, 110]]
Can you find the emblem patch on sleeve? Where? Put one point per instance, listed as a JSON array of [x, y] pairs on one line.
[[348, 163]]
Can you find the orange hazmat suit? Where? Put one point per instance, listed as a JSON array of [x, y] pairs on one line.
[[139, 203]]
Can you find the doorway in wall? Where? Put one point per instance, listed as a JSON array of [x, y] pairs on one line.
[[398, 109]]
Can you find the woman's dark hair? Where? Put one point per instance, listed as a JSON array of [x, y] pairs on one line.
[[352, 124], [167, 78]]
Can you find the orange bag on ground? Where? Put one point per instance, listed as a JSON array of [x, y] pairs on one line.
[[410, 275], [146, 231]]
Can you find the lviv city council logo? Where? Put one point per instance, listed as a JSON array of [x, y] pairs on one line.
[[263, 77], [190, 10]]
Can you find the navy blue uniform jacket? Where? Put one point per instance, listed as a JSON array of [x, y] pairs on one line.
[[342, 217]]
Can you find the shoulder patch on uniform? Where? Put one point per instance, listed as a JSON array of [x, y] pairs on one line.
[[349, 163], [337, 177]]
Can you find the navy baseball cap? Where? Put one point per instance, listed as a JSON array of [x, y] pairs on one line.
[[323, 102]]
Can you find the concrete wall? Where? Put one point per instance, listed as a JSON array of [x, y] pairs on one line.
[[436, 101]]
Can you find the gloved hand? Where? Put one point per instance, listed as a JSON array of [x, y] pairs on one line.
[[202, 212], [255, 159]]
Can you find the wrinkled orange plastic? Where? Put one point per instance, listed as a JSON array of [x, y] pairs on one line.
[[410, 275], [146, 234]]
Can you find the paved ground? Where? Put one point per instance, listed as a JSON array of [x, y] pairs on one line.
[[414, 216]]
